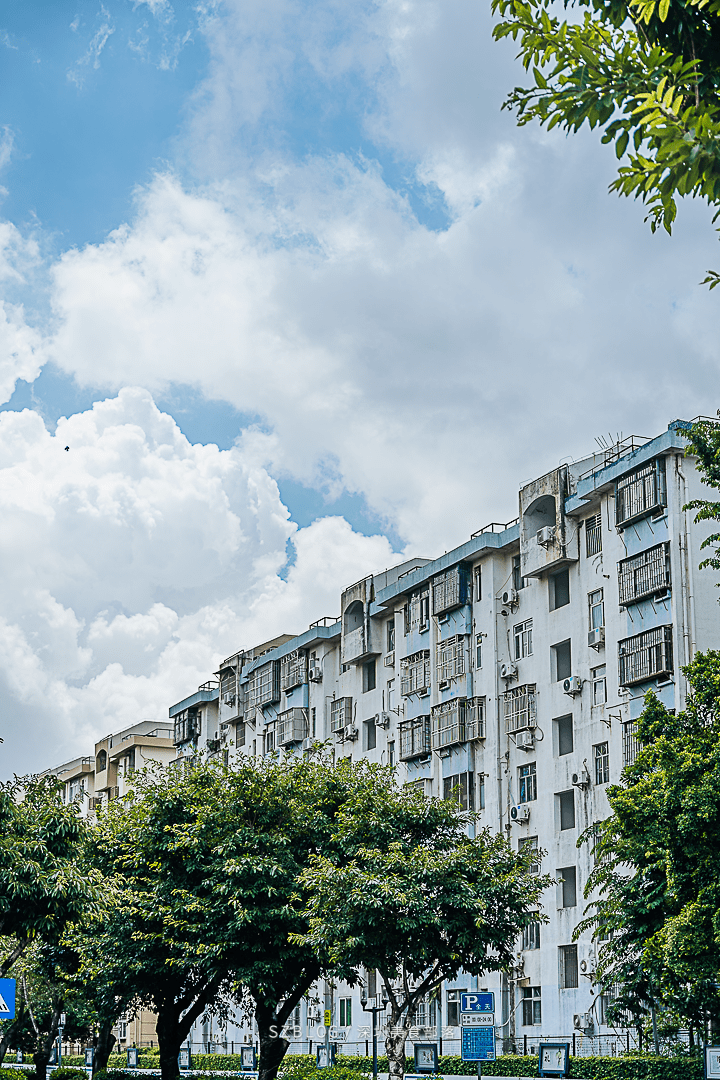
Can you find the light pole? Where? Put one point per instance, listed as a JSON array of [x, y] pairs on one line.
[[374, 1009]]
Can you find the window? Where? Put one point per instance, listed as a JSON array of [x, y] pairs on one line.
[[596, 609], [568, 957], [240, 734], [644, 574], [481, 791], [345, 1012], [369, 676], [529, 848], [564, 726], [478, 584], [593, 535], [601, 754], [391, 752], [341, 713], [313, 721], [523, 639], [599, 685], [520, 708], [269, 738], [567, 887], [527, 783], [187, 726], [453, 1007], [531, 1005], [450, 658], [370, 734], [646, 656], [478, 650], [450, 590], [531, 936], [631, 746], [391, 695], [460, 789], [101, 762], [417, 611], [390, 635], [562, 661], [559, 585], [293, 669], [264, 685], [518, 581], [456, 721], [566, 805]]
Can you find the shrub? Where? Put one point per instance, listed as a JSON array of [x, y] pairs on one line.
[[67, 1072], [636, 1067], [12, 1074]]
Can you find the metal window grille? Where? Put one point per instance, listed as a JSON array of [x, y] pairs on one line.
[[417, 611], [264, 685], [644, 574], [415, 675], [457, 721], [340, 713], [292, 726], [451, 658], [293, 669], [640, 492], [414, 737], [240, 735], [568, 955], [519, 706], [631, 746], [593, 534], [228, 684], [646, 655], [450, 590]]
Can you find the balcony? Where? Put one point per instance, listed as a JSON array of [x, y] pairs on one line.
[[354, 646], [640, 492], [520, 708], [414, 738], [292, 727], [644, 575], [457, 721], [646, 656], [415, 677]]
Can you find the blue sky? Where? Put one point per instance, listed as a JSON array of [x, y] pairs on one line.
[[302, 301]]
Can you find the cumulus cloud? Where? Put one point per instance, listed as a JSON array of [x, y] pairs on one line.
[[133, 562]]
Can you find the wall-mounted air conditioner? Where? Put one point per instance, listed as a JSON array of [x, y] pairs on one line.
[[525, 740], [352, 731], [581, 779], [520, 814], [596, 637], [315, 673], [382, 720], [583, 1021], [573, 685], [508, 670], [510, 596], [545, 536]]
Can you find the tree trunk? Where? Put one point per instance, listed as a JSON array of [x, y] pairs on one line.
[[41, 1059], [272, 1045], [169, 1042], [103, 1046], [8, 1033], [395, 1039]]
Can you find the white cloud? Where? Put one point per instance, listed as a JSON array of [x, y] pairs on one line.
[[132, 563]]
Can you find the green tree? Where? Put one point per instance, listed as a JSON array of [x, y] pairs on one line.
[[644, 72], [704, 442], [656, 886], [409, 893]]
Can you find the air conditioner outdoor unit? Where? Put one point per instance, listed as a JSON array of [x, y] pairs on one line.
[[581, 780], [315, 673], [508, 671], [352, 731], [583, 1021], [520, 814], [545, 536], [510, 596], [229, 700], [573, 685], [382, 720], [525, 740], [596, 637], [389, 660]]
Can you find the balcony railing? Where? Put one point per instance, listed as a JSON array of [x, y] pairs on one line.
[[450, 590], [293, 669], [451, 658], [292, 726], [646, 656], [415, 677], [354, 645], [640, 492], [644, 574], [457, 721]]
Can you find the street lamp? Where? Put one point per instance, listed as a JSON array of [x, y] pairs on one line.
[[374, 1009]]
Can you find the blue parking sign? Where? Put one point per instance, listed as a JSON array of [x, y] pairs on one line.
[[477, 1002], [7, 999]]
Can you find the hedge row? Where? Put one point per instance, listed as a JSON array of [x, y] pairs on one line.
[[636, 1067]]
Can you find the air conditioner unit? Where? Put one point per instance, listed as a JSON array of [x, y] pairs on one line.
[[583, 1021], [508, 671], [382, 720], [389, 660], [510, 596], [581, 780], [520, 814], [596, 637], [352, 731], [545, 536], [315, 673], [525, 740], [229, 700], [573, 685]]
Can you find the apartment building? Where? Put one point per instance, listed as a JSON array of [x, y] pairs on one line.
[[507, 674]]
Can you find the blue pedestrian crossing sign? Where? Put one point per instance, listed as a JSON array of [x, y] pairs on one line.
[[477, 1002], [7, 999]]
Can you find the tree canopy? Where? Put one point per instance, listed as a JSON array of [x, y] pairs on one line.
[[644, 72], [657, 906], [704, 441]]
